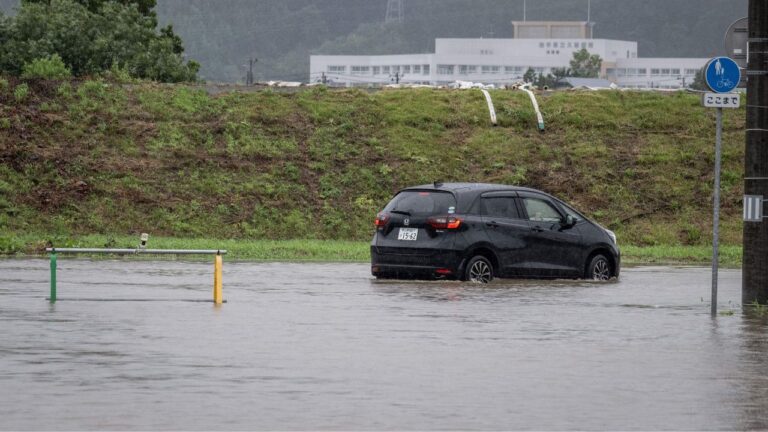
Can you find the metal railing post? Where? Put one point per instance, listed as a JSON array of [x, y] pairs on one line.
[[53, 276], [217, 282]]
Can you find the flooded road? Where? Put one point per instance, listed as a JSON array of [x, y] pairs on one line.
[[324, 346]]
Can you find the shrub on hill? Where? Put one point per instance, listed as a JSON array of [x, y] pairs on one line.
[[89, 42]]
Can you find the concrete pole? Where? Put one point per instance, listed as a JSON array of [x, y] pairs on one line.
[[716, 211], [755, 262]]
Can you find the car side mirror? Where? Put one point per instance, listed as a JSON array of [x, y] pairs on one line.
[[568, 222]]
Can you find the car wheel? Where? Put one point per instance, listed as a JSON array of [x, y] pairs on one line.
[[479, 270], [599, 268]]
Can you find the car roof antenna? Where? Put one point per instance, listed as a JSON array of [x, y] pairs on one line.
[[438, 184]]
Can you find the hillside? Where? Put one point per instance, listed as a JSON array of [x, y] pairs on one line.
[[99, 158]]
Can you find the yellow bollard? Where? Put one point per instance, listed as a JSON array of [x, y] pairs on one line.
[[217, 284]]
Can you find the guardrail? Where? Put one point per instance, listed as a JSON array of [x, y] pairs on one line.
[[217, 263]]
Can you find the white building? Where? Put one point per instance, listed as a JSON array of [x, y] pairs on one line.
[[505, 61]]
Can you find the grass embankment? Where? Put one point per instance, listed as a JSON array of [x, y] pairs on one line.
[[96, 158]]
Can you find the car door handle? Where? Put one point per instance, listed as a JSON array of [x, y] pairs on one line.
[[537, 229], [492, 224]]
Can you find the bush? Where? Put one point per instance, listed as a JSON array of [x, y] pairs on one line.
[[21, 92], [51, 67], [45, 34]]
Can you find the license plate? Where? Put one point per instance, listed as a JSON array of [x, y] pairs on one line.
[[409, 234]]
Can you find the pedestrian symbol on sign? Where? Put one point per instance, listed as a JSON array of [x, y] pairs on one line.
[[722, 74]]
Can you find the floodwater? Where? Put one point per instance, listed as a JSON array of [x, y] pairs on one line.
[[131, 345]]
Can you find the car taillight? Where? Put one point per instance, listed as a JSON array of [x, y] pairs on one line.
[[381, 220], [444, 222]]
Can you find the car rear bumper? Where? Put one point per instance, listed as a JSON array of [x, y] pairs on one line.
[[412, 263]]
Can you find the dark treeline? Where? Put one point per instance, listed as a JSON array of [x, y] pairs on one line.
[[223, 34]]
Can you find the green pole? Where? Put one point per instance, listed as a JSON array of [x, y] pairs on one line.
[[53, 277]]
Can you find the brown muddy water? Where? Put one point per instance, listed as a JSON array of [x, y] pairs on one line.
[[324, 346]]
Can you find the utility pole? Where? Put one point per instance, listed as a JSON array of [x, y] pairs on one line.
[[755, 258], [524, 10], [395, 11]]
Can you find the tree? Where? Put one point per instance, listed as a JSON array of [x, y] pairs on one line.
[[118, 35], [146, 7], [699, 81], [546, 81], [585, 65], [530, 75], [559, 74]]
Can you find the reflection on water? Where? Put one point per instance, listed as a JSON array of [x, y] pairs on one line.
[[323, 346]]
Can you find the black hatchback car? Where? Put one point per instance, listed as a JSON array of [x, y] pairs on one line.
[[476, 232]]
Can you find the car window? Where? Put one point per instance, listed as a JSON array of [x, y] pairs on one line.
[[503, 207], [540, 210], [572, 212], [417, 203]]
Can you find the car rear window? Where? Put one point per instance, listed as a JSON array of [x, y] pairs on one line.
[[417, 203]]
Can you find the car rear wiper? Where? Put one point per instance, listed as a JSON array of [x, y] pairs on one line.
[[401, 212]]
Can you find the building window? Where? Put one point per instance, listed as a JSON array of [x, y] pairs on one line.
[[620, 72], [591, 45], [377, 70], [666, 72], [385, 70], [337, 69], [361, 70], [675, 71], [445, 69], [549, 44], [642, 72], [425, 69], [690, 72], [491, 69], [541, 44], [583, 44], [610, 72], [406, 69], [416, 69], [655, 72]]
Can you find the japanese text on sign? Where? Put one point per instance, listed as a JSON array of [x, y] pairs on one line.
[[721, 100]]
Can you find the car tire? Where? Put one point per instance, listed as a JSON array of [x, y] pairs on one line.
[[479, 270], [599, 268]]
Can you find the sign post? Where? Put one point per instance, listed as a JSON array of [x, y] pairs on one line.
[[722, 76]]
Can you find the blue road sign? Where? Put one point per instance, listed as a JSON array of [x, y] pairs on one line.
[[722, 74]]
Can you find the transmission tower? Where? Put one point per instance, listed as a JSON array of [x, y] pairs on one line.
[[395, 11]]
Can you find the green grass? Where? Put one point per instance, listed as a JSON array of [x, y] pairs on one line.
[[98, 157], [730, 256], [339, 251]]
